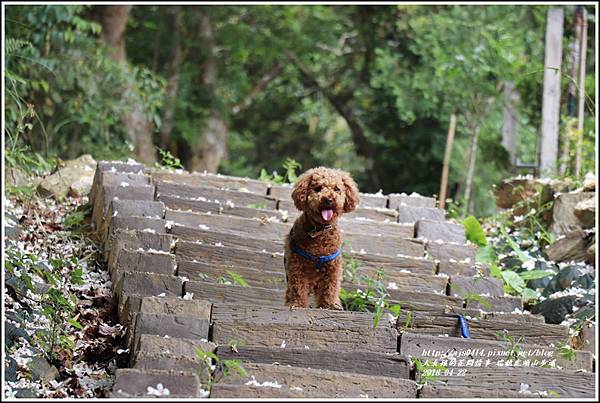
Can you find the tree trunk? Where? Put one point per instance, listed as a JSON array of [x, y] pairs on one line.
[[211, 148], [446, 167], [139, 127], [572, 95], [551, 97], [510, 121], [173, 81], [471, 167], [114, 22], [581, 106]]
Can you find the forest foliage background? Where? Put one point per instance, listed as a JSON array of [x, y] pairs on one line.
[[369, 89]]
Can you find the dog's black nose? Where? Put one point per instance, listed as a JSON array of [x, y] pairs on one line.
[[328, 201]]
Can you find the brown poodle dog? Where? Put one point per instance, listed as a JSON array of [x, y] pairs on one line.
[[312, 249]]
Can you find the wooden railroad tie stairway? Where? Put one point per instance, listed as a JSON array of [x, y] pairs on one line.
[[173, 241]]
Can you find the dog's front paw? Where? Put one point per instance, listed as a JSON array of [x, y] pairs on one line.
[[335, 307]]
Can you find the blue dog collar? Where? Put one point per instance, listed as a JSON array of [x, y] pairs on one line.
[[319, 260]]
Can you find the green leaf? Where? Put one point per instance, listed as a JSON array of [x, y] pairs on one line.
[[474, 232], [486, 254], [513, 280], [495, 271], [528, 294], [535, 274], [76, 276], [75, 324], [237, 279]]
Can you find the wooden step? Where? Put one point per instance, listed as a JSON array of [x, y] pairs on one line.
[[235, 294], [172, 353], [332, 337], [141, 261], [211, 180], [412, 214], [358, 362], [398, 272], [428, 347], [431, 230], [199, 206], [487, 329], [461, 286], [545, 381], [135, 239], [261, 223], [446, 251], [388, 245], [222, 196], [290, 381], [131, 382], [402, 199]]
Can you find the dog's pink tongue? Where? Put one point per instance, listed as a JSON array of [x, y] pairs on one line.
[[327, 214]]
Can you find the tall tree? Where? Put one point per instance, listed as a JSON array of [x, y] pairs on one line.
[[140, 128]]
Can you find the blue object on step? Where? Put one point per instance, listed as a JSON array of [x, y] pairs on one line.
[[464, 328]]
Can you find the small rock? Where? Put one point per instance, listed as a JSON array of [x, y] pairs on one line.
[[71, 175], [12, 333], [15, 177], [10, 370], [25, 393], [586, 212], [81, 187], [589, 182], [564, 219], [568, 277], [555, 310], [590, 255], [573, 246], [41, 370]]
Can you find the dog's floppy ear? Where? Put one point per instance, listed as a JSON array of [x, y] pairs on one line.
[[352, 198], [300, 192]]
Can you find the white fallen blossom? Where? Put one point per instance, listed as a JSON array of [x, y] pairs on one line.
[[160, 390]]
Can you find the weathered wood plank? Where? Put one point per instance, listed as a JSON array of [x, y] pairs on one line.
[[304, 382], [358, 362], [461, 286], [453, 268], [220, 255], [532, 333], [230, 312], [227, 197], [447, 251], [434, 347], [131, 382], [415, 281], [199, 206], [132, 239], [388, 245], [373, 227], [326, 337], [379, 214], [564, 383], [211, 180], [400, 199], [496, 304], [412, 214], [140, 261], [198, 271], [233, 225], [236, 294], [440, 230]]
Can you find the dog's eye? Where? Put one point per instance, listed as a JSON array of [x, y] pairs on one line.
[[337, 189], [318, 188]]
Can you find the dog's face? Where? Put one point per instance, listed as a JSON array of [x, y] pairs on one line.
[[324, 194]]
